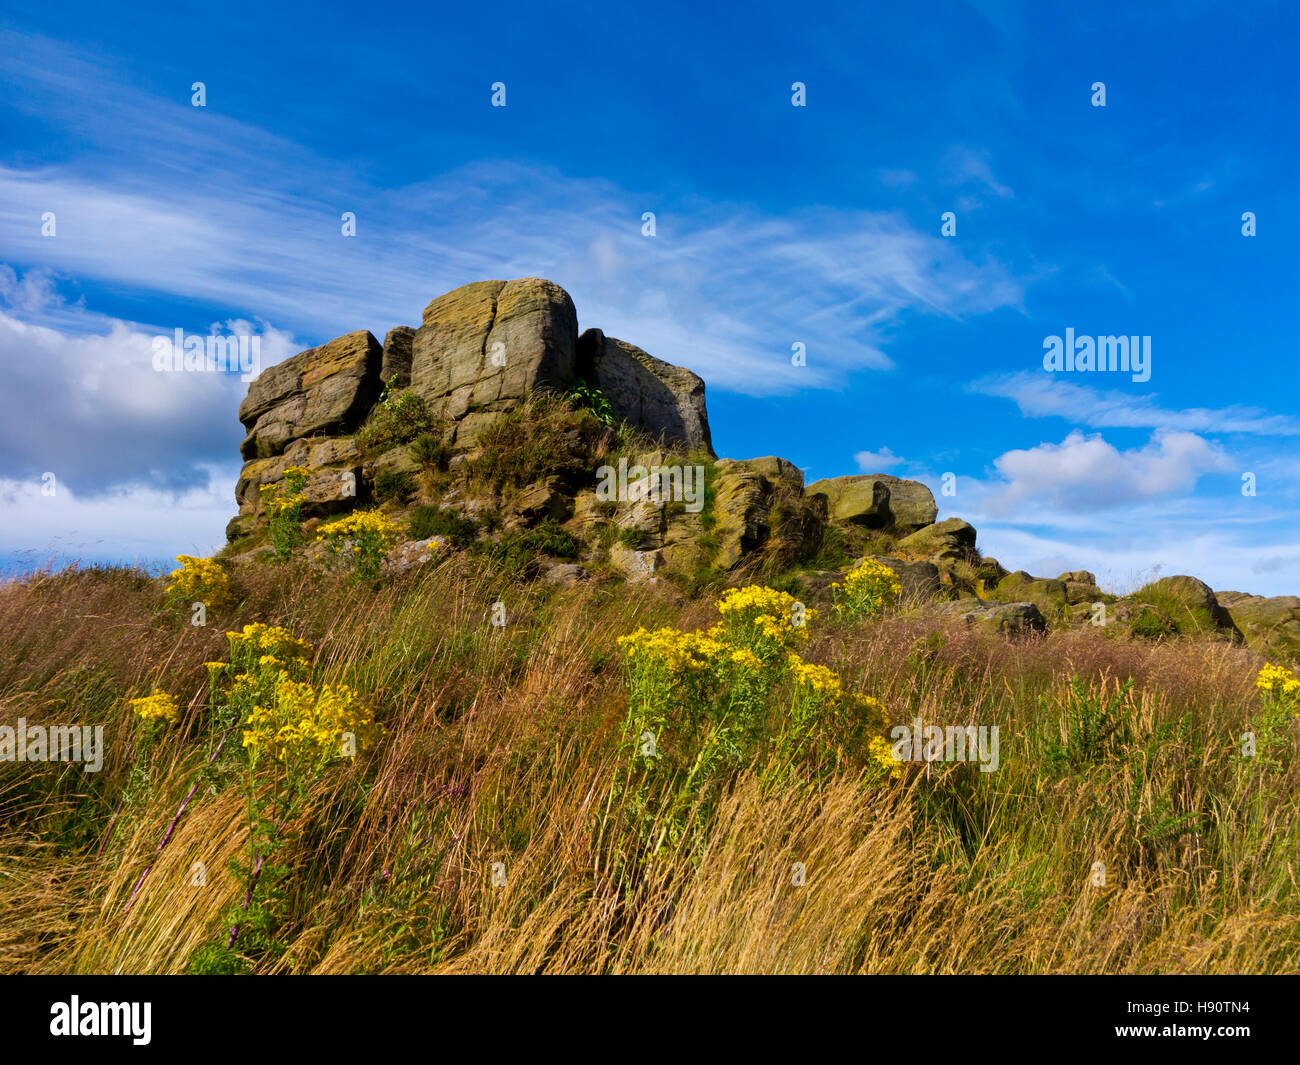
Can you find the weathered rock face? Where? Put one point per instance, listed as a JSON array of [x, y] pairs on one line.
[[665, 400], [1269, 625], [878, 501], [951, 538], [326, 390], [485, 347], [396, 369], [918, 580], [1189, 604], [1014, 619]]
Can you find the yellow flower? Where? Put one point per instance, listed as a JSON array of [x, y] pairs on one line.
[[199, 580], [870, 709], [364, 536], [156, 707], [882, 753], [304, 726], [868, 588], [1280, 683], [815, 678]]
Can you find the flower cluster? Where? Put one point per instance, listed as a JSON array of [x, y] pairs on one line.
[[882, 754], [362, 538], [283, 505], [817, 679], [288, 494], [256, 643], [869, 588], [674, 652], [156, 707], [199, 580], [1281, 684], [738, 694], [302, 727]]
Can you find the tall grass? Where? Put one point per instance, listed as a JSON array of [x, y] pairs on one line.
[[502, 746]]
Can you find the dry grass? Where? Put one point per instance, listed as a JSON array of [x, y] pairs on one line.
[[502, 747]]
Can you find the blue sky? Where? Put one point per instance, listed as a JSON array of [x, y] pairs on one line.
[[776, 225]]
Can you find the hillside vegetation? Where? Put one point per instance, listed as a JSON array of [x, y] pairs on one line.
[[499, 815]]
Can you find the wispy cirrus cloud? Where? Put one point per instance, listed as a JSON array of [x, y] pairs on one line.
[[722, 287], [1041, 396]]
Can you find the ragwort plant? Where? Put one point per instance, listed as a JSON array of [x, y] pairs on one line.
[[706, 705], [283, 505], [1280, 689], [360, 540], [869, 588], [199, 580], [291, 733]]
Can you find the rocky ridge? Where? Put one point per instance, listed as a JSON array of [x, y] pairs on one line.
[[497, 424]]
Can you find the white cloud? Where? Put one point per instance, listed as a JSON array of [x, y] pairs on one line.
[[1087, 473], [876, 461], [135, 524], [720, 288], [1039, 395], [89, 407], [964, 167]]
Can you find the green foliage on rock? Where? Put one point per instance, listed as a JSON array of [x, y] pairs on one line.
[[399, 417]]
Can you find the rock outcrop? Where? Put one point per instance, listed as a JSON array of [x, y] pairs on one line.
[[1268, 625], [322, 391], [878, 501], [1013, 619], [949, 539], [395, 372], [440, 426], [1189, 605], [485, 347], [648, 393]]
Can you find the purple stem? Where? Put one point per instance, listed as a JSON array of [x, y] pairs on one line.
[[172, 827], [248, 899]]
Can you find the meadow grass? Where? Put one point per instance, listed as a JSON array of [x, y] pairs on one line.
[[503, 746]]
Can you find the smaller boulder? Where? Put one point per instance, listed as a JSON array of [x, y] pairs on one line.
[[564, 573], [1189, 604], [918, 580], [950, 539], [537, 502], [1268, 625], [1012, 619], [414, 553], [321, 391], [877, 501]]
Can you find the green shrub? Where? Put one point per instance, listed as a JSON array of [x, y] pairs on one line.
[[516, 550], [429, 521], [399, 417], [542, 437], [430, 453], [584, 397], [1152, 626], [1093, 726], [394, 485]]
